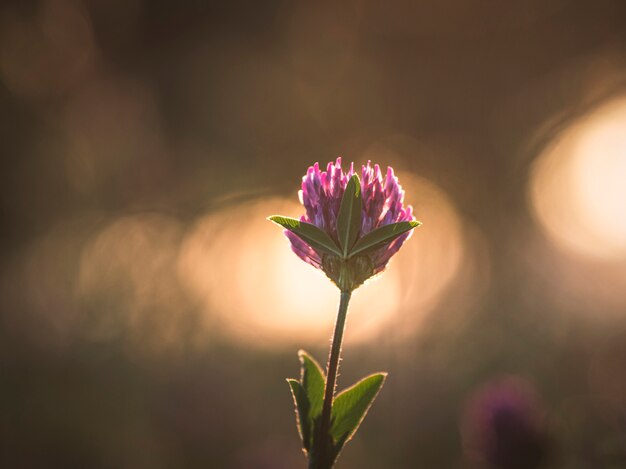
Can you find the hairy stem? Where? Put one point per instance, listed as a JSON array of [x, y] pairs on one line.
[[323, 441]]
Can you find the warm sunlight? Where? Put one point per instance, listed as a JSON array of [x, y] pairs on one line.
[[578, 190], [253, 286], [258, 289]]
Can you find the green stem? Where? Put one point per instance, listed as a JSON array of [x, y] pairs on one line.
[[323, 442]]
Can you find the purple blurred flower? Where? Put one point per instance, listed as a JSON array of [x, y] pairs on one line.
[[382, 205], [503, 425]]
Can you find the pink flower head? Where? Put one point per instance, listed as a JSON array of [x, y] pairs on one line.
[[382, 204]]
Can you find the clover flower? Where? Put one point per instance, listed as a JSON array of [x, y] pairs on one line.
[[353, 245], [350, 230]]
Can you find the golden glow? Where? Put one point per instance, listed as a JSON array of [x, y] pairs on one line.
[[578, 187], [240, 266], [144, 275], [260, 291]]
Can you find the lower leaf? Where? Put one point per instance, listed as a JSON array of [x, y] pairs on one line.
[[302, 412], [350, 407], [308, 396]]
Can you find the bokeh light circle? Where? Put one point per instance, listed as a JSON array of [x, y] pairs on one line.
[[127, 282], [252, 287], [578, 185]]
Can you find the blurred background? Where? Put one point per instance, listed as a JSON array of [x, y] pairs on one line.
[[149, 312]]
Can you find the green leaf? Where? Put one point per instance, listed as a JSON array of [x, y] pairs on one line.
[[313, 382], [350, 407], [383, 235], [349, 218], [302, 412], [311, 234], [308, 395]]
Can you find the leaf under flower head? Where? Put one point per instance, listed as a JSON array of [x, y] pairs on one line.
[[311, 234], [349, 218], [383, 235]]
